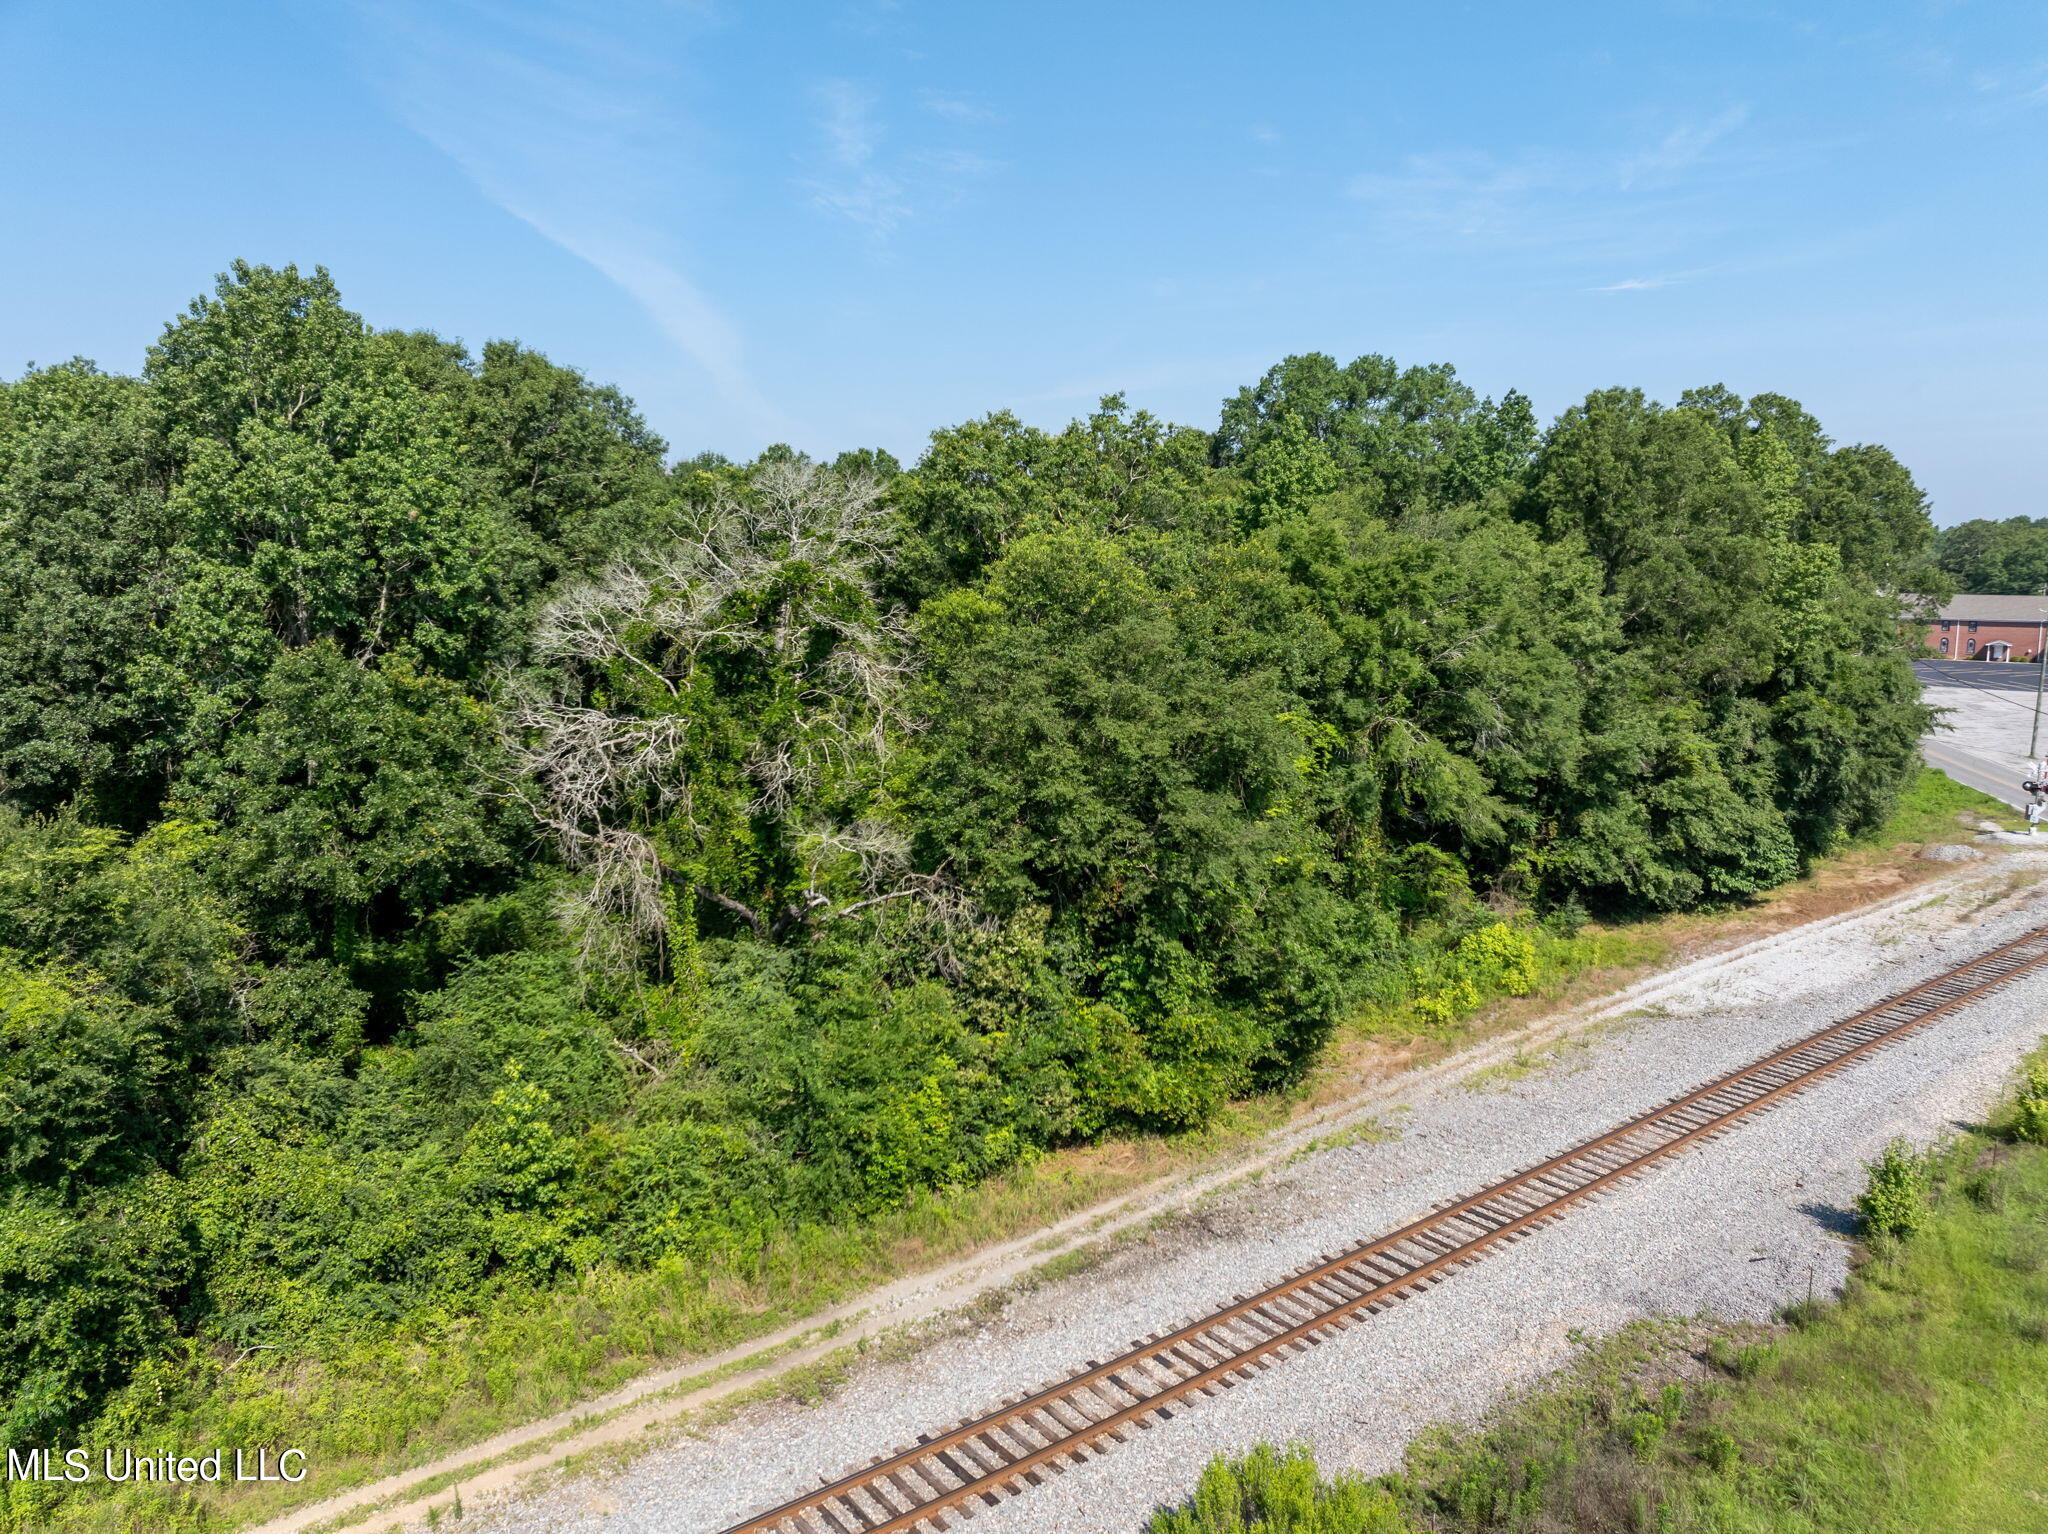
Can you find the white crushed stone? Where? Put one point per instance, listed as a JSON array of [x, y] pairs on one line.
[[1738, 1227]]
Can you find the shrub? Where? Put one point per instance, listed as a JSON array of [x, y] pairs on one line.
[[1718, 1449], [1497, 960], [1896, 1204], [1446, 1003], [86, 1081], [1279, 1492], [1644, 1431], [2030, 1107], [1500, 957], [78, 1299]]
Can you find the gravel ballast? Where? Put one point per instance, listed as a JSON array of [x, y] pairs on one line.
[[1738, 1227]]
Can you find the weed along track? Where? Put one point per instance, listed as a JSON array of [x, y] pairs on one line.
[[949, 1474]]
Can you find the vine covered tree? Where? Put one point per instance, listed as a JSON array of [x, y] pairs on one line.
[[722, 714]]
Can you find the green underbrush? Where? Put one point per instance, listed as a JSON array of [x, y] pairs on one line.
[[1500, 962], [1460, 976]]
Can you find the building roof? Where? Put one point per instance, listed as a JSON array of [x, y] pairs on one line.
[[2027, 608]]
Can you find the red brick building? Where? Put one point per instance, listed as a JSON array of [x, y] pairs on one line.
[[1990, 628]]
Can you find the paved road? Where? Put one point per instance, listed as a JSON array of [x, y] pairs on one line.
[[1967, 767], [1996, 676], [1983, 739]]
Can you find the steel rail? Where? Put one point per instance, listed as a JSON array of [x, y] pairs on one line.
[[1339, 1289]]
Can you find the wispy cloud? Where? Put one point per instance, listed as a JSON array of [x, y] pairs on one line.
[[562, 122], [849, 123], [879, 192], [1587, 204], [1461, 196], [2003, 89], [1680, 150], [1641, 284], [959, 109], [854, 188]]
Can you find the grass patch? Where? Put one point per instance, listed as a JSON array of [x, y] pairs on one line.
[[1519, 1066], [1522, 962], [1917, 1403], [1376, 1130], [1936, 808], [1567, 1053]]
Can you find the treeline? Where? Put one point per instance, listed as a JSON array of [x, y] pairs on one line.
[[1996, 558], [449, 848]]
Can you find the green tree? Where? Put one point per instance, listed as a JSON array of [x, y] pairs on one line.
[[322, 493], [86, 551], [1288, 471], [1684, 539], [569, 460], [1765, 707], [1120, 746], [1996, 558], [983, 484], [1416, 434], [1860, 499], [354, 798]]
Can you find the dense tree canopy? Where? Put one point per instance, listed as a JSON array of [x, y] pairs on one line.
[[1995, 558], [445, 848], [86, 547]]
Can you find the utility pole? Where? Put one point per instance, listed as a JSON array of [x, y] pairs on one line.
[[2040, 676]]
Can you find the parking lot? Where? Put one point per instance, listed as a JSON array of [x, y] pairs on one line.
[[1982, 737]]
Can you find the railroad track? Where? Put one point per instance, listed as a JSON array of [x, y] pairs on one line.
[[979, 1461]]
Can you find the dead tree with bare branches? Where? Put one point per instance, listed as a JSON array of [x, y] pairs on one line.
[[719, 718]]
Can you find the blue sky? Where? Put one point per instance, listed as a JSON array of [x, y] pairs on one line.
[[843, 224]]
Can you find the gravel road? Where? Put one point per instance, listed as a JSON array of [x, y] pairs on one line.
[[1737, 1227]]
